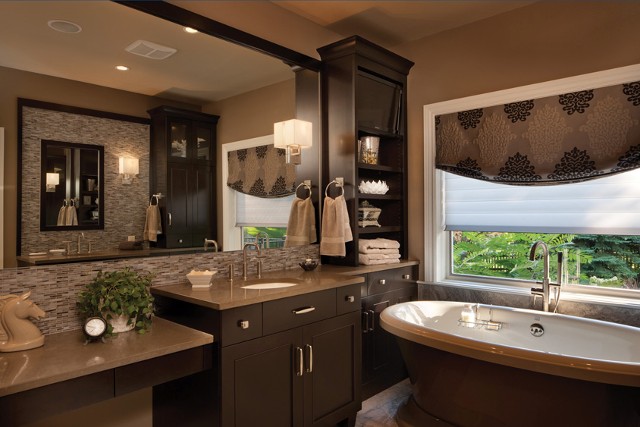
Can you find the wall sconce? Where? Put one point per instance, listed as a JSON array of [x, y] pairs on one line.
[[292, 135], [53, 179], [128, 168]]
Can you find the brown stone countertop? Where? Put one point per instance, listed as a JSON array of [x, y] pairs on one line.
[[64, 356], [224, 294]]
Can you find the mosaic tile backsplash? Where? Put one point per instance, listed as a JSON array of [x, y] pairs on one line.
[[55, 288]]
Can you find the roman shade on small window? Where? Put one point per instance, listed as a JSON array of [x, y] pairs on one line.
[[610, 205], [260, 212], [557, 139], [261, 172]]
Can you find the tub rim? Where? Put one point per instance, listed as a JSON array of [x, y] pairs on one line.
[[596, 370]]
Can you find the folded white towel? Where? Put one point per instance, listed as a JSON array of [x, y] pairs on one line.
[[366, 261], [152, 225], [379, 243], [301, 228], [335, 227], [378, 256], [378, 251]]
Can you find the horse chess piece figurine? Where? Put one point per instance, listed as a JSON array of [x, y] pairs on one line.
[[18, 331]]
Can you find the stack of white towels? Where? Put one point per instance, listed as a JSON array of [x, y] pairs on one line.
[[378, 251]]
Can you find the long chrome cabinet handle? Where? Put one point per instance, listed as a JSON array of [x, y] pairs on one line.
[[372, 315], [309, 350], [303, 310], [169, 218], [365, 323], [300, 363]]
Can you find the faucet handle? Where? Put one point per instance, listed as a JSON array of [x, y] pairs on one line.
[[231, 271]]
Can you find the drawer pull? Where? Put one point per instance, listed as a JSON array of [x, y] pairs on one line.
[[300, 369], [303, 310], [350, 298], [373, 320], [365, 326], [244, 324], [382, 281], [406, 276]]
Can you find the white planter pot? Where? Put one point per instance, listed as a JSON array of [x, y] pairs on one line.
[[119, 323]]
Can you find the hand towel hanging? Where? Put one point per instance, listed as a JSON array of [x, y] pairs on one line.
[[152, 224], [301, 228]]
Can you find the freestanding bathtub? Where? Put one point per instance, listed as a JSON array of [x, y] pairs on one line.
[[514, 367]]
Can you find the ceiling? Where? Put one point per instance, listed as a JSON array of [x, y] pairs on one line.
[[204, 69]]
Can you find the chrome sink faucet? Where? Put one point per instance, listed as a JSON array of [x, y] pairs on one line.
[[266, 237], [80, 239], [545, 291], [244, 258], [208, 242]]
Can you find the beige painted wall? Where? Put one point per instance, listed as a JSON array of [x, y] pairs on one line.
[[540, 42]]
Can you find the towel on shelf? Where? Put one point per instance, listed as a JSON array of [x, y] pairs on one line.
[[336, 230], [363, 259], [379, 256], [378, 251], [379, 243], [301, 228], [152, 226], [62, 216], [71, 216]]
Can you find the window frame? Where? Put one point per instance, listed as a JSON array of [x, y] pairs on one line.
[[437, 248]]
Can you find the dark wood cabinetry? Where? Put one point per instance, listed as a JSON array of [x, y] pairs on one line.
[[183, 170], [382, 363], [294, 361], [364, 91]]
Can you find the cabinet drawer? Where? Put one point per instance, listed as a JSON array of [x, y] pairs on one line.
[[347, 299], [383, 281], [240, 324], [296, 311]]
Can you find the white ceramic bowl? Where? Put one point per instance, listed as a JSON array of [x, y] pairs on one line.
[[200, 279]]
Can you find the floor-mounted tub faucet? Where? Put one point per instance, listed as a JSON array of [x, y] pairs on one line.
[[545, 291]]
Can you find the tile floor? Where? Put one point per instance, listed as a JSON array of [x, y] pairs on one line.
[[380, 410]]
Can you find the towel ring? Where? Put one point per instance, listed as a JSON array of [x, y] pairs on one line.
[[64, 203], [305, 185], [326, 190], [152, 198]]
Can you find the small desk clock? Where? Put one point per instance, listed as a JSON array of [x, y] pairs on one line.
[[94, 328]]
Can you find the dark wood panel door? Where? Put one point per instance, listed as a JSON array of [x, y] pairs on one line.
[[332, 372], [261, 384], [178, 206], [201, 206]]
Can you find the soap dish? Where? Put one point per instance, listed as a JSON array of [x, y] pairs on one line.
[[200, 279], [308, 265]]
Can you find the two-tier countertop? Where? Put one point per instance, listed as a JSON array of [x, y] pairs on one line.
[[64, 356]]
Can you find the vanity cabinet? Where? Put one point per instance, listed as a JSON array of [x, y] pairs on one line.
[[382, 363], [183, 170], [364, 91], [292, 361]]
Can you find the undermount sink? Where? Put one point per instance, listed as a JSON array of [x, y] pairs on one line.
[[270, 285]]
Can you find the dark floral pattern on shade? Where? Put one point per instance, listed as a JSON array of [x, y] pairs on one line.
[[470, 118], [632, 90], [242, 154], [437, 122], [257, 189], [280, 187], [630, 159], [576, 102], [518, 111], [281, 152], [518, 169], [261, 151], [575, 165], [468, 168], [237, 185]]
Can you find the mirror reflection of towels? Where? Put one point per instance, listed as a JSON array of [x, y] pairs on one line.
[[62, 216], [71, 215]]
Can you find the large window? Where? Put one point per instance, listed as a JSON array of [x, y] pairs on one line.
[[472, 238]]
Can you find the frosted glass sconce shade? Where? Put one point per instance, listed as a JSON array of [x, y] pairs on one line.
[[292, 135], [53, 179], [128, 168]]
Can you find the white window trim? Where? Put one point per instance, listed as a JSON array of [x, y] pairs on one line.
[[232, 235], [437, 258]]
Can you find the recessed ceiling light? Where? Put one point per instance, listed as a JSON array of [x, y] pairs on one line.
[[64, 26], [122, 68], [190, 30]]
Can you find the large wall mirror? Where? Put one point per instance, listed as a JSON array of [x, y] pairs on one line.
[[71, 177], [231, 67]]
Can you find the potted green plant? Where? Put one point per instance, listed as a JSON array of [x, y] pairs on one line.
[[116, 295]]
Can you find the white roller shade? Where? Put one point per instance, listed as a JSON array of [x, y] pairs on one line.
[[260, 212], [608, 205]]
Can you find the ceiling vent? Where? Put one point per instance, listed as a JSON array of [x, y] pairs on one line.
[[150, 50]]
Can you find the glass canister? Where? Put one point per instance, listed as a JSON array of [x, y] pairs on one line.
[[368, 149]]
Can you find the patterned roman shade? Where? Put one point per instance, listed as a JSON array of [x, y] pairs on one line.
[[557, 139], [261, 172]]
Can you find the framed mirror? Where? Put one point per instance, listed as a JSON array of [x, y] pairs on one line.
[[71, 186]]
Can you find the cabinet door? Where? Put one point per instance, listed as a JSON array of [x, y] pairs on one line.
[[201, 204], [260, 382], [179, 135], [332, 372], [204, 142], [178, 206]]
